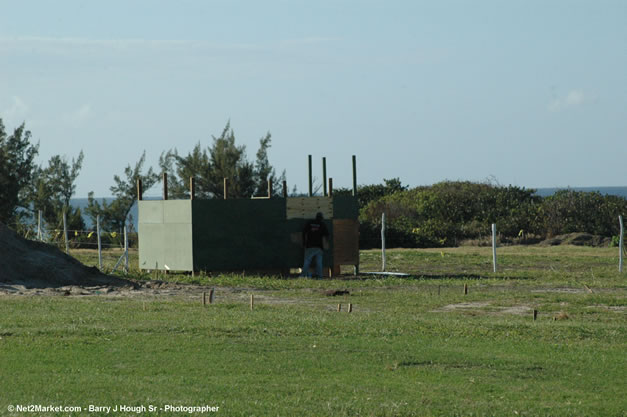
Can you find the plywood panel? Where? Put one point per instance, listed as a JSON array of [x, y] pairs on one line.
[[345, 242], [307, 207]]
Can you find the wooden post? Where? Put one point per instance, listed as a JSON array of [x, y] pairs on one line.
[[140, 190], [494, 246], [350, 307], [465, 289], [211, 296], [165, 185], [330, 187], [620, 245], [99, 243], [339, 307], [270, 188], [354, 176], [252, 301], [192, 188], [324, 176], [310, 179], [535, 314], [67, 243], [204, 298], [284, 189], [383, 242], [226, 189]]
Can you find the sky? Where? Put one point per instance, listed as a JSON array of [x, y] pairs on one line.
[[530, 93]]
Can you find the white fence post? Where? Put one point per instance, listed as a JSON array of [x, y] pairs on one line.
[[620, 245], [494, 246], [125, 251], [39, 227], [67, 244], [383, 242], [99, 244]]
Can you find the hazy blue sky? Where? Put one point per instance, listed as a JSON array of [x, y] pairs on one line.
[[531, 93]]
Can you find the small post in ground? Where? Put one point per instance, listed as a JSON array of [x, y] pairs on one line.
[[465, 289], [99, 242], [494, 246], [125, 251], [620, 245], [383, 242], [252, 301], [211, 296], [535, 314], [67, 243], [39, 227]]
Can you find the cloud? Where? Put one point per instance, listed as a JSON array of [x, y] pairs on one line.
[[15, 113], [574, 98], [77, 117]]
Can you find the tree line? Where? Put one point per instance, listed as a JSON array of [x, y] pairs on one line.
[[450, 212], [443, 214], [27, 188]]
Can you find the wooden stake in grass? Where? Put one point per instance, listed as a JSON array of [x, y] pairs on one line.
[[535, 315], [204, 298], [350, 307], [339, 307], [252, 301], [211, 296], [465, 289]]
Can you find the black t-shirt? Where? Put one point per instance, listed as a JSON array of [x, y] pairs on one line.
[[313, 233]]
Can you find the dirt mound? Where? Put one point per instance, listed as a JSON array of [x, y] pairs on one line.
[[578, 239], [38, 265]]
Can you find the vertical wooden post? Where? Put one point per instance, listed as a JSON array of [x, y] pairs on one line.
[[620, 245], [339, 307], [354, 176], [192, 188], [211, 296], [494, 246], [330, 187], [165, 185], [324, 176], [383, 242], [284, 189], [140, 190], [465, 289], [99, 243], [270, 188], [535, 314], [252, 301], [204, 298], [310, 178], [67, 243], [226, 189], [350, 307]]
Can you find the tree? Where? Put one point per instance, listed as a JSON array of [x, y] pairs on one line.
[[113, 216], [16, 170], [52, 189], [223, 159]]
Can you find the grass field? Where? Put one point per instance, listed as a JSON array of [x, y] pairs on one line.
[[411, 346]]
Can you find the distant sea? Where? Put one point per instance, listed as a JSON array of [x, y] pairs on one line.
[[542, 192]]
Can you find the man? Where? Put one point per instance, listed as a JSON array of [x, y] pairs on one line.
[[314, 235]]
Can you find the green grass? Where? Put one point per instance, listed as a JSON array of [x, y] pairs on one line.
[[404, 350]]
